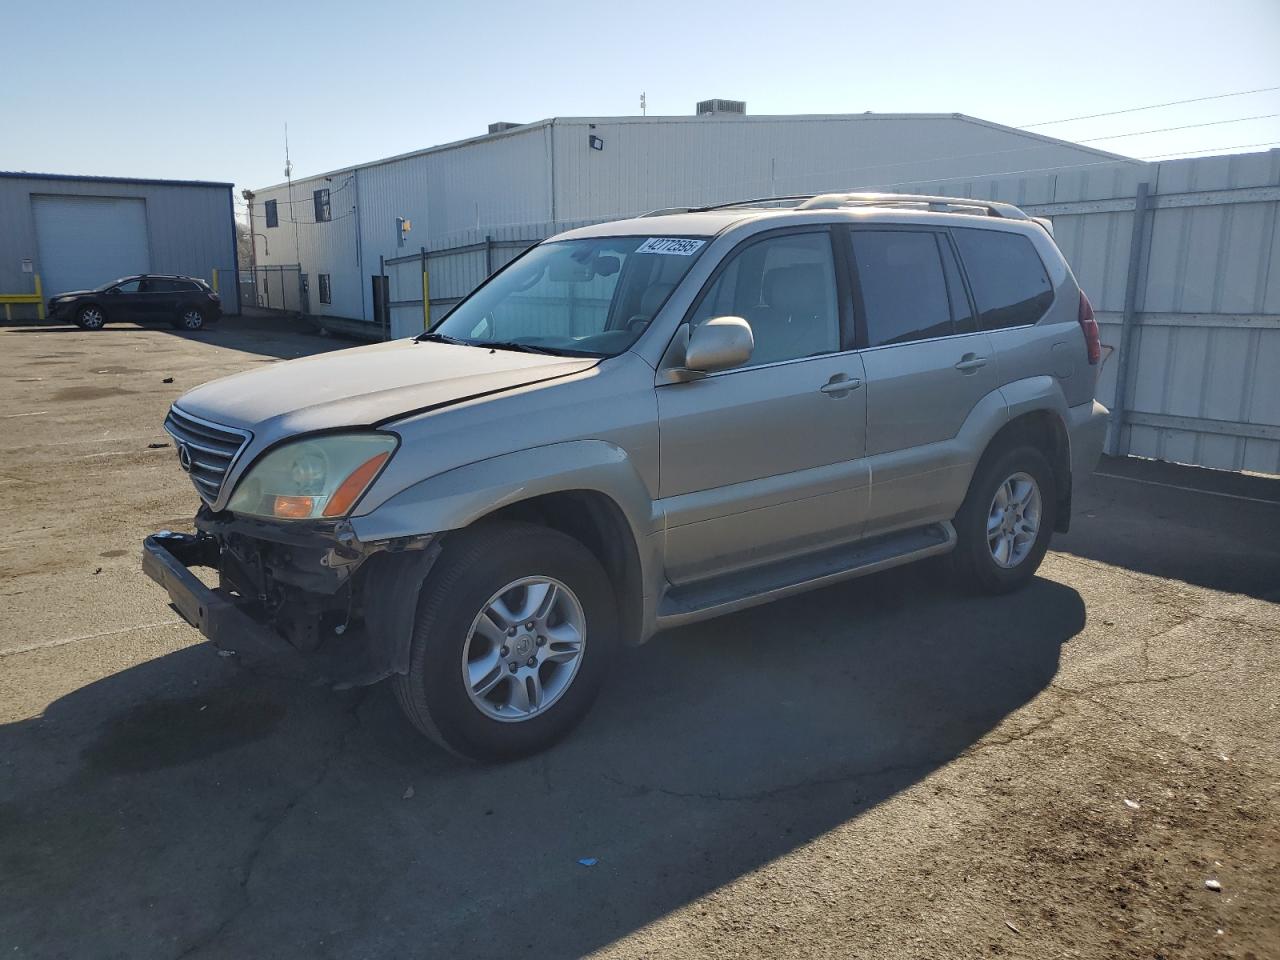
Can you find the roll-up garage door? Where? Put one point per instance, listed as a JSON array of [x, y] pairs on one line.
[[84, 242]]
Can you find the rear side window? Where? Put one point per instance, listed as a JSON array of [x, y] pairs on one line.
[[1008, 279], [185, 286], [904, 290]]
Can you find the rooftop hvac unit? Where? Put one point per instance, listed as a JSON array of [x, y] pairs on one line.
[[502, 125], [710, 107]]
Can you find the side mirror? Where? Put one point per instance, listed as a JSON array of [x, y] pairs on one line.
[[718, 344]]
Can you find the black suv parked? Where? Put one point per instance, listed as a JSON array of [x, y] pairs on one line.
[[186, 302]]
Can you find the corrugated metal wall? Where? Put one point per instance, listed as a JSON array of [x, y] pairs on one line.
[[329, 247], [646, 164], [189, 227], [1203, 372], [502, 186]]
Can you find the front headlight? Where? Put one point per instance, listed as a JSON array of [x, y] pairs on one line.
[[321, 477]]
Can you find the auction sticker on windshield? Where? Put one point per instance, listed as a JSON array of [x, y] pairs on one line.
[[677, 246]]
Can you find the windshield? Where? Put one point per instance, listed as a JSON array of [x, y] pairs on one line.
[[592, 297]]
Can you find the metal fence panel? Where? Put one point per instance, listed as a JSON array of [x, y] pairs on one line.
[[1201, 385]]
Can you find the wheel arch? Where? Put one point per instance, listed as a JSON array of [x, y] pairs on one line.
[[595, 520], [587, 489], [1044, 429]]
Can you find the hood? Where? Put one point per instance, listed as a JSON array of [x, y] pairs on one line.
[[73, 293], [363, 386]]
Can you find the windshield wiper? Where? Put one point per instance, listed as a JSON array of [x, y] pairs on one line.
[[443, 338], [535, 348]]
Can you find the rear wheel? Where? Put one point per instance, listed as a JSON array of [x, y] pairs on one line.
[[1006, 520], [190, 318], [91, 318], [516, 626]]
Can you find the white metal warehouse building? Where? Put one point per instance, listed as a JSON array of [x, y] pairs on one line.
[[76, 233], [474, 204]]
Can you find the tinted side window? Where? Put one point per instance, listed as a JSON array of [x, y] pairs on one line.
[[904, 291], [1009, 281], [129, 286], [186, 286], [785, 287]]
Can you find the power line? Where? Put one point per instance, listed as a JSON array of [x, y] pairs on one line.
[[1153, 106], [1233, 146], [1185, 126]]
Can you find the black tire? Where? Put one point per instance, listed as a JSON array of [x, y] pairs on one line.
[[973, 560], [474, 565], [91, 317], [189, 318]]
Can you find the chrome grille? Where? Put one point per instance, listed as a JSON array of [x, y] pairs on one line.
[[210, 447]]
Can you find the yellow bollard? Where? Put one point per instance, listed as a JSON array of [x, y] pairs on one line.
[[215, 279], [40, 299]]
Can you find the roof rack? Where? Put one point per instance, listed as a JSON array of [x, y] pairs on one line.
[[754, 202], [832, 201], [991, 208]]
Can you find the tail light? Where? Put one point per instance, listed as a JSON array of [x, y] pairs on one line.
[[214, 297], [1092, 343]]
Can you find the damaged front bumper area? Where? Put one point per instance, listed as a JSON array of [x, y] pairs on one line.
[[301, 589]]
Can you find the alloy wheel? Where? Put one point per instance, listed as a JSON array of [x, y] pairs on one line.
[[524, 649], [1014, 520]]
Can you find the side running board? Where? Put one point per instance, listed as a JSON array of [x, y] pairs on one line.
[[748, 588]]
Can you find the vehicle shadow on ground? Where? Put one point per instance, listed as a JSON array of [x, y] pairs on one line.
[[1222, 543], [188, 807], [278, 338]]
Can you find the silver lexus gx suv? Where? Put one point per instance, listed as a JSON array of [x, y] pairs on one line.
[[637, 425]]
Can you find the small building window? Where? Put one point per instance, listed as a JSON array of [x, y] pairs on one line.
[[325, 294], [273, 218], [321, 200]]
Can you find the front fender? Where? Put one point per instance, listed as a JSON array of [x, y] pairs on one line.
[[459, 497]]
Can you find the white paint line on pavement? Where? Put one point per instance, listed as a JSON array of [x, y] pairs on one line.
[[1174, 486], [46, 644], [33, 413]]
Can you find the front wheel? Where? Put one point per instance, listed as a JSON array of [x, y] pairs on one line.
[[516, 626], [1005, 522], [91, 318]]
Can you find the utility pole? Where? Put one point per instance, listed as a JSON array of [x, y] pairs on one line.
[[288, 175], [644, 112]]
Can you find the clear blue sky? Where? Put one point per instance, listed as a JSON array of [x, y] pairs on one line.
[[184, 90]]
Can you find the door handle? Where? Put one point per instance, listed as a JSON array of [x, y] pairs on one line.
[[971, 362], [840, 384]]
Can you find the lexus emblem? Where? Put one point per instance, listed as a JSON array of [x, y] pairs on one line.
[[184, 457]]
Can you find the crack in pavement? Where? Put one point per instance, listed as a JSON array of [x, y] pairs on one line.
[[251, 858]]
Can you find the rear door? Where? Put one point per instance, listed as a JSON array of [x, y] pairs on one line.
[[158, 299], [765, 460], [927, 367]]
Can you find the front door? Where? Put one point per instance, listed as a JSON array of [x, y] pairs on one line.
[[927, 368], [766, 460], [122, 300], [156, 299]]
